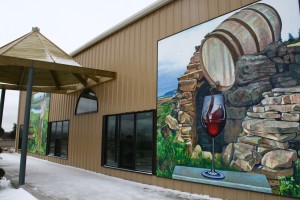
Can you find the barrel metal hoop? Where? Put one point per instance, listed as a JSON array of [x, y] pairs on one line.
[[249, 29], [236, 41], [266, 19], [227, 43], [275, 12]]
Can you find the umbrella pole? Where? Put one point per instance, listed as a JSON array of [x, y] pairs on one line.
[[26, 127], [2, 106]]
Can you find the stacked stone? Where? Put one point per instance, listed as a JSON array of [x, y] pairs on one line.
[[276, 66], [269, 131], [185, 101]]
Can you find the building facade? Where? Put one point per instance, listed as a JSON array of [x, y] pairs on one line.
[[112, 127]]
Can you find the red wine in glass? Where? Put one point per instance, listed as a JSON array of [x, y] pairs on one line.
[[213, 120]]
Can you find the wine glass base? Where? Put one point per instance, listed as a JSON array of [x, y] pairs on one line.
[[213, 174]]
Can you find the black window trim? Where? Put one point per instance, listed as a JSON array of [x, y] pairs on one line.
[[154, 140], [48, 139], [90, 112]]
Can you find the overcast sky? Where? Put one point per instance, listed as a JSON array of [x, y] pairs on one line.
[[67, 23]]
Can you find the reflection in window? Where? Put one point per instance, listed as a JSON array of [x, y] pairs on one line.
[[129, 141], [58, 137], [87, 102]]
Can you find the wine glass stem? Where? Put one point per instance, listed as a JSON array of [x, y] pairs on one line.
[[213, 155]]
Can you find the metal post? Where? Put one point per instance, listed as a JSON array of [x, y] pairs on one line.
[[2, 106], [26, 128]]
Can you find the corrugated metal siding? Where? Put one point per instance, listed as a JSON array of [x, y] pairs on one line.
[[132, 53]]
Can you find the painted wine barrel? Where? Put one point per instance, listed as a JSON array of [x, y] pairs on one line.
[[246, 32]]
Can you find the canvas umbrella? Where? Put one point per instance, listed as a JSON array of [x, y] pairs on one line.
[[33, 63]]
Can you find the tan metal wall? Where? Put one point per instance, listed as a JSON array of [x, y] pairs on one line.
[[132, 53]]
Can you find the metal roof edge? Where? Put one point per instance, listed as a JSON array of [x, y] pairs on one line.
[[149, 9]]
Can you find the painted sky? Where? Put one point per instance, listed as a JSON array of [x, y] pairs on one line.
[[175, 51]]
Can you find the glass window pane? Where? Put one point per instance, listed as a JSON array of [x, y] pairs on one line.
[[127, 141], [64, 140], [57, 151], [144, 141], [111, 142], [87, 102], [52, 138]]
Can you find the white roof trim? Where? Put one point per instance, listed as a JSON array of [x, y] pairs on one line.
[[149, 9]]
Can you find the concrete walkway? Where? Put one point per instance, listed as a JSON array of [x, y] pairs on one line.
[[47, 181]]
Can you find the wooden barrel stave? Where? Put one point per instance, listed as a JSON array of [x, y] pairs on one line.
[[259, 26], [245, 32], [244, 38]]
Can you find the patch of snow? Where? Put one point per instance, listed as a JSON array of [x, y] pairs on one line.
[[8, 192], [67, 182]]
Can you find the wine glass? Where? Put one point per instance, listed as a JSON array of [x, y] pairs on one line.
[[213, 120]]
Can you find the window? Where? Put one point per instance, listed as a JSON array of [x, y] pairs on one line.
[[87, 102], [128, 141], [58, 139]]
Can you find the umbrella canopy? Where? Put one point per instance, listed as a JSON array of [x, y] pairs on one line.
[[34, 63], [55, 70]]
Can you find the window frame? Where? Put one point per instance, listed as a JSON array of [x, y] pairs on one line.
[[118, 121], [49, 138], [90, 112]]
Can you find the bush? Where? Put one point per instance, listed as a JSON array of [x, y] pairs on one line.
[[289, 187]]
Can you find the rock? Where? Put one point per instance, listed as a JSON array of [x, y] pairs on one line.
[[253, 67], [185, 101], [266, 115], [184, 118], [272, 136], [227, 154], [286, 99], [187, 85], [195, 58], [252, 140], [206, 155], [179, 139], [290, 117], [243, 165], [297, 59], [192, 75], [272, 101], [271, 126], [185, 95], [172, 122], [286, 58], [272, 173], [287, 90], [283, 108], [196, 153], [279, 159], [187, 130], [188, 108], [259, 109], [249, 95], [274, 182], [243, 151], [281, 51], [271, 49], [295, 98], [277, 145], [263, 149], [232, 130], [235, 113], [191, 68]]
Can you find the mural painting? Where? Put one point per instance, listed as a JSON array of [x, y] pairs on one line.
[[39, 112], [228, 100]]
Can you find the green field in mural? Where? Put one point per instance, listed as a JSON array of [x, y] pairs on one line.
[[39, 112], [228, 101]]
